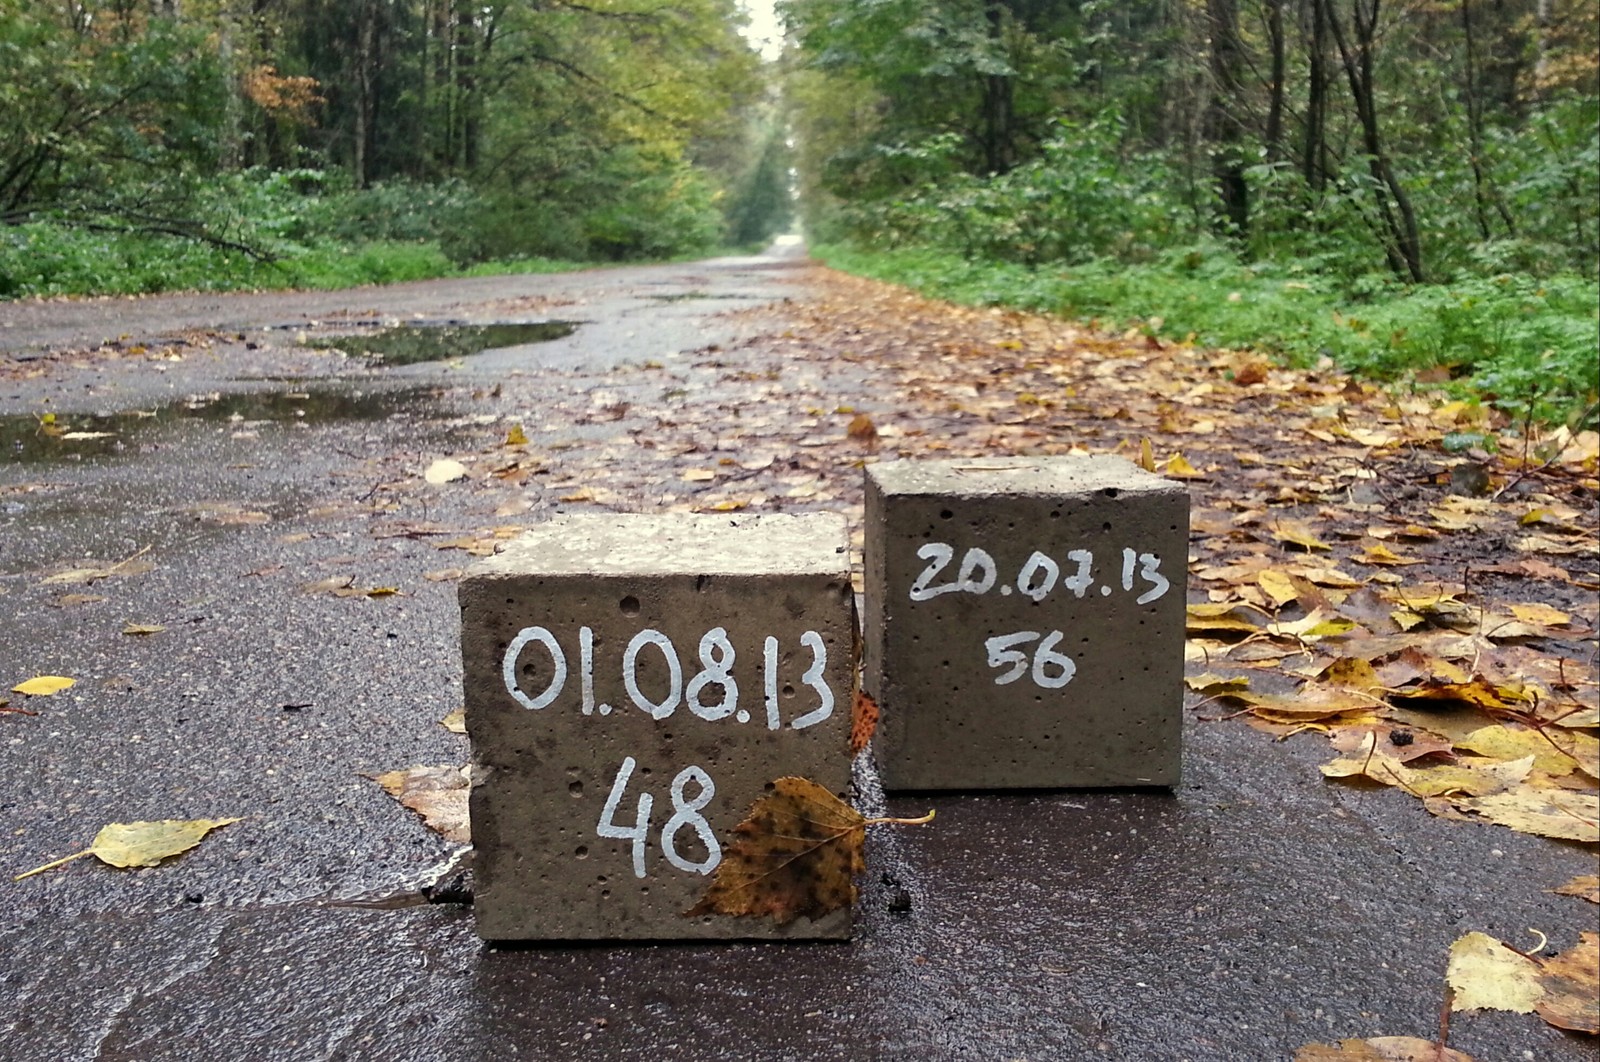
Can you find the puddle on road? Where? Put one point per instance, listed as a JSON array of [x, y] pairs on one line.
[[29, 439], [410, 344]]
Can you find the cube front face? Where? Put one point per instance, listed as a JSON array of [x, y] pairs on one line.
[[623, 721], [1024, 623]]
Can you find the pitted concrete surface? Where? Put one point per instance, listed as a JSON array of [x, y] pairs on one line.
[[1254, 909]]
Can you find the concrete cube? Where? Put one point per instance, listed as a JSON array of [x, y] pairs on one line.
[[633, 684], [1024, 622]]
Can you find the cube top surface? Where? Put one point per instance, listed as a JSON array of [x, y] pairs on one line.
[[675, 543], [1014, 476]]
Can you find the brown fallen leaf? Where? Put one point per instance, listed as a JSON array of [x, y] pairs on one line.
[[439, 794], [1571, 985], [863, 720], [1381, 1049], [139, 844], [862, 430], [797, 852], [329, 585], [1586, 886], [141, 629]]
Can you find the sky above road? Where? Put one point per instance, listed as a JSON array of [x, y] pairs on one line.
[[764, 32]]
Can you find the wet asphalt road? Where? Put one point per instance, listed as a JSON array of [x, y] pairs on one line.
[[1251, 911]]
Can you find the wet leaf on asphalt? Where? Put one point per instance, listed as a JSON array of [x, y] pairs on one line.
[[44, 685], [1381, 1049], [1564, 989], [140, 844], [1586, 886], [438, 793]]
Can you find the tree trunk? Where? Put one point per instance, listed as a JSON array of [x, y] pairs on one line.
[[1223, 129], [1313, 160], [1403, 245], [1273, 138]]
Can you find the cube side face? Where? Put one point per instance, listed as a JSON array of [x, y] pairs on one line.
[[1028, 640], [634, 725]]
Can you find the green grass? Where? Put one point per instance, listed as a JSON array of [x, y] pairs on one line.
[[44, 259], [1511, 340]]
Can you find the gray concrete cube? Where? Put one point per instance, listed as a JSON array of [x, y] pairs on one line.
[[608, 747], [1024, 622]]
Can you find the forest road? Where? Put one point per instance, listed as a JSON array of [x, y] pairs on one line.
[[186, 463]]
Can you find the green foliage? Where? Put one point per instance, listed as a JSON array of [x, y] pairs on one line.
[[1511, 339], [1081, 198]]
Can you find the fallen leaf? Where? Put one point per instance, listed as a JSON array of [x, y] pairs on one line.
[[444, 575], [140, 844], [863, 720], [1571, 984], [1295, 533], [1486, 974], [445, 470], [1178, 467], [438, 794], [455, 722], [516, 436], [1555, 754], [1381, 1049], [329, 585], [699, 475], [862, 430], [1486, 779], [1147, 455], [130, 565], [1541, 614], [142, 628], [44, 685], [797, 853], [1558, 813], [1586, 886], [71, 600]]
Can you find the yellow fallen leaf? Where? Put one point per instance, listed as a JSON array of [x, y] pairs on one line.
[[44, 685], [1382, 556], [516, 436], [142, 628], [140, 844], [1178, 467], [1556, 753], [1296, 533], [455, 722], [1147, 455], [1482, 779], [699, 475], [1277, 586], [1559, 813], [1541, 614], [1486, 974]]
